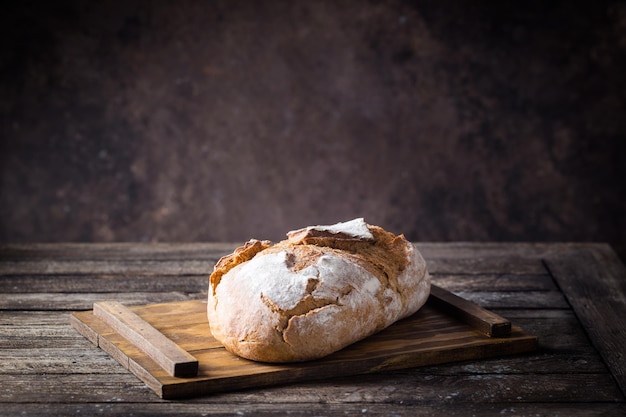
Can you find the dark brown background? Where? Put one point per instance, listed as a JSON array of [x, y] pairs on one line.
[[225, 120]]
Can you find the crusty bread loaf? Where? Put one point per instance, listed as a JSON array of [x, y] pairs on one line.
[[314, 293]]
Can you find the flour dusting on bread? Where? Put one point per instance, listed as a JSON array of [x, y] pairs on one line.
[[318, 291]]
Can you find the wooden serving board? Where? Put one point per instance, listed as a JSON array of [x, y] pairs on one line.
[[446, 329]]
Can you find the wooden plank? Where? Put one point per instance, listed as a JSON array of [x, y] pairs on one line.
[[597, 293], [211, 251], [340, 409], [104, 267], [488, 388], [495, 282], [171, 357], [530, 250], [557, 334], [33, 318], [535, 313], [164, 314], [485, 321], [84, 301], [74, 360], [16, 336], [513, 265], [397, 388], [428, 337], [74, 388], [89, 283], [516, 299], [541, 362], [447, 407]]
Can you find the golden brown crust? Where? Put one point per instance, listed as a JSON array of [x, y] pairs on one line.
[[384, 256], [241, 254], [315, 292]]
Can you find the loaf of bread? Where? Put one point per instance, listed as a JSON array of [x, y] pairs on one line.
[[321, 289]]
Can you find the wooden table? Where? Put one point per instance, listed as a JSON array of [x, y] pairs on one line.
[[572, 296]]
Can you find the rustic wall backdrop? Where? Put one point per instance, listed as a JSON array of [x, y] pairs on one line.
[[225, 120]]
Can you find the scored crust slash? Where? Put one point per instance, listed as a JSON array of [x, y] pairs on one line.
[[318, 291]]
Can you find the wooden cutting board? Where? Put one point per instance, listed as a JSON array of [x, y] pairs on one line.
[[446, 329]]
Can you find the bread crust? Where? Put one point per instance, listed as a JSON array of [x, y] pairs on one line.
[[322, 289]]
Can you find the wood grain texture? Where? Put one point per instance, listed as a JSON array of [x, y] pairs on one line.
[[211, 251], [398, 388], [87, 283], [119, 267], [429, 337], [495, 282], [167, 354], [269, 408], [598, 297], [49, 369], [84, 301], [563, 346], [483, 320]]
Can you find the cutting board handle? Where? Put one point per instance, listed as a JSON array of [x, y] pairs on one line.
[[172, 358], [483, 320]]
